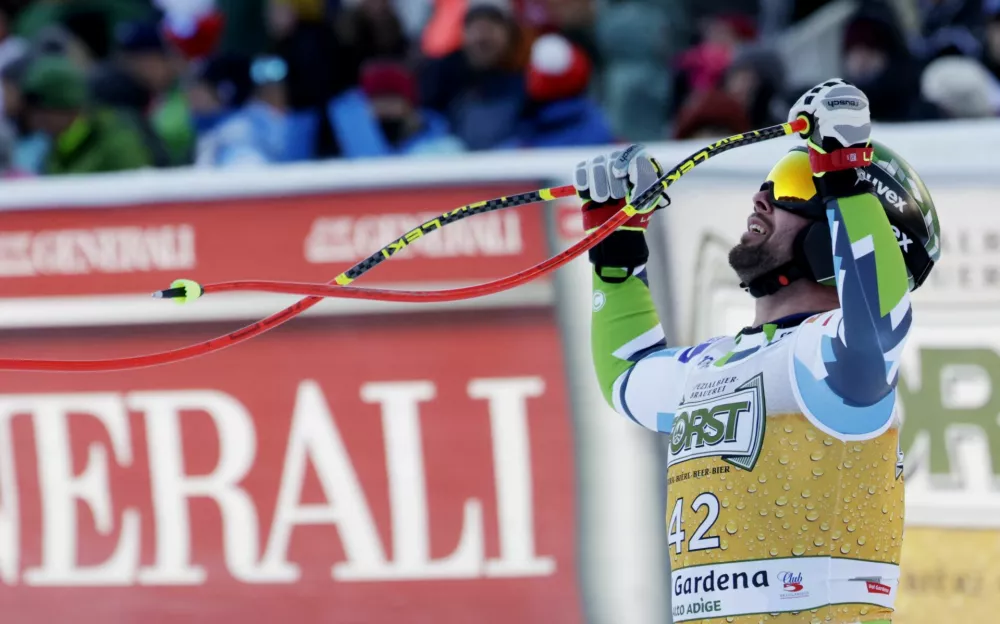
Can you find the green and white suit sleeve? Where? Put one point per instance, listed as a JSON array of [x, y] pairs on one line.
[[635, 369], [627, 339]]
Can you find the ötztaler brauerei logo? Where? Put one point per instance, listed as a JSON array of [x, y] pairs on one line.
[[730, 426]]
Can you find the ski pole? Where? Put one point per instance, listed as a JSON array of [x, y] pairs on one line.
[[187, 290]]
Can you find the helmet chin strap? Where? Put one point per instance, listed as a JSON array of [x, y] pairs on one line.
[[774, 280], [812, 259]]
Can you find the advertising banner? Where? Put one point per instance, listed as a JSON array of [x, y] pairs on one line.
[[125, 249], [334, 470]]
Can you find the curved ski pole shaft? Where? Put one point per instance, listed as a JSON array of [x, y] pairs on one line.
[[279, 318], [181, 288], [456, 294]]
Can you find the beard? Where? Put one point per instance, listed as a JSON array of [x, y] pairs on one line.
[[753, 260]]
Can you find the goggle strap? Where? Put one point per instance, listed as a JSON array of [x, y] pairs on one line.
[[839, 160]]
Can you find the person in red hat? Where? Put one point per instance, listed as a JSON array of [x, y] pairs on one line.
[[559, 112], [383, 116], [194, 27]]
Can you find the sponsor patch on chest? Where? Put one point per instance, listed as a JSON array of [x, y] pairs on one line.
[[729, 425]]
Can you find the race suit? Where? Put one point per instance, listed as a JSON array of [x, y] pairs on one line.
[[785, 490]]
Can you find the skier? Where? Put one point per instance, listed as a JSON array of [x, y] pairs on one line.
[[785, 492]]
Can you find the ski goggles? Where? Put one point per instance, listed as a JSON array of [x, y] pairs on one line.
[[791, 185]]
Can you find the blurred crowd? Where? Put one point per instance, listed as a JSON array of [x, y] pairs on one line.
[[110, 85]]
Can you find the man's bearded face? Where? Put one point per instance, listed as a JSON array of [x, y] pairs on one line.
[[768, 241]]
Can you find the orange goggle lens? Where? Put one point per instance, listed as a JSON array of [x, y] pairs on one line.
[[791, 179]]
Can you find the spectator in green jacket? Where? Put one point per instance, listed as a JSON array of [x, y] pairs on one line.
[[84, 139], [142, 77]]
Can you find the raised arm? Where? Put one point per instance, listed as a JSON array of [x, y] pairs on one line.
[[861, 358], [628, 343], [873, 287]]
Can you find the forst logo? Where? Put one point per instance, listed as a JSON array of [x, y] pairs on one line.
[[706, 426], [722, 424], [791, 581]]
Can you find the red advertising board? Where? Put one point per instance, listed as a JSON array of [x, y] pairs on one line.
[[414, 469], [303, 238]]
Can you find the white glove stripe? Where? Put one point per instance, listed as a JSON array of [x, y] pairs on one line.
[[580, 177], [600, 185], [619, 186]]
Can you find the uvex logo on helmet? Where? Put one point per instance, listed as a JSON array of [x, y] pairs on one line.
[[884, 191], [904, 240]]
